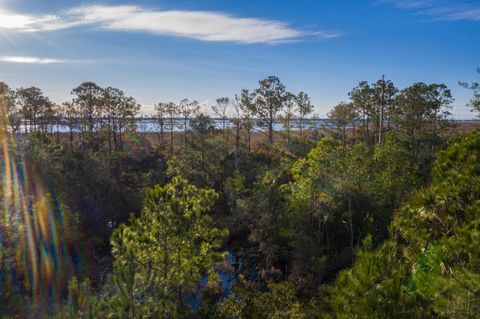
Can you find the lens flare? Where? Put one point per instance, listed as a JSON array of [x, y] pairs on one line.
[[37, 242]]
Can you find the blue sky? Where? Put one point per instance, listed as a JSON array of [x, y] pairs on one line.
[[167, 50]]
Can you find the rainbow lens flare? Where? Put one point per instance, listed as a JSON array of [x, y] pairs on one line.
[[37, 251]]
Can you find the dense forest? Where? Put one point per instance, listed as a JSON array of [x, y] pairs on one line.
[[374, 216]]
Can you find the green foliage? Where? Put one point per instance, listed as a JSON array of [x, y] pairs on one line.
[[278, 302], [421, 117], [44, 153], [431, 259], [260, 207], [81, 302], [338, 195], [163, 254], [201, 164], [342, 116], [270, 98], [304, 108], [441, 229], [475, 101], [33, 107], [376, 287], [370, 111]]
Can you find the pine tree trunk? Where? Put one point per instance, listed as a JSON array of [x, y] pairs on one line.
[[270, 129]]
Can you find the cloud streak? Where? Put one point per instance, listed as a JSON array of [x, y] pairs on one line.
[[441, 9], [199, 25], [30, 60]]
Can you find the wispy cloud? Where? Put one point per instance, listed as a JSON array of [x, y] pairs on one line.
[[200, 25], [30, 60], [407, 4], [441, 9]]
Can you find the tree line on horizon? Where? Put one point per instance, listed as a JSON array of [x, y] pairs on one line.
[[374, 109]]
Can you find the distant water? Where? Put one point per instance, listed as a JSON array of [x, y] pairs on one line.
[[148, 125], [226, 275]]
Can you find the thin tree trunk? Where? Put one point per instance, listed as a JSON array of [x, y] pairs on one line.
[[109, 136], [224, 124], [171, 135], [115, 141], [120, 136], [382, 109], [270, 129], [367, 128], [288, 128], [237, 146], [71, 137], [351, 227], [249, 131], [301, 125], [162, 141], [185, 126]]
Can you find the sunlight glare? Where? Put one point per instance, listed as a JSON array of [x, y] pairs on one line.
[[13, 21]]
